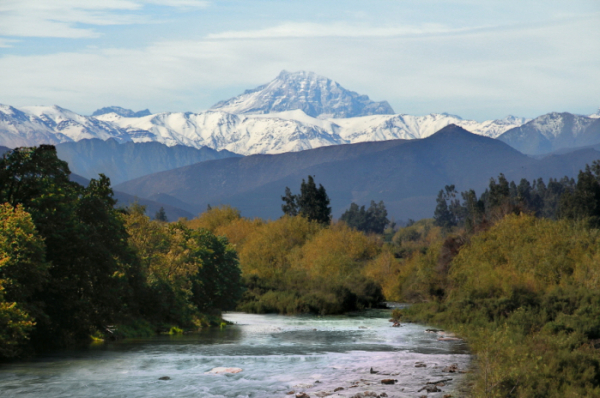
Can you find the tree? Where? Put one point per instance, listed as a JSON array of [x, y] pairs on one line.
[[312, 202], [161, 215], [447, 216], [374, 219], [217, 285], [290, 206]]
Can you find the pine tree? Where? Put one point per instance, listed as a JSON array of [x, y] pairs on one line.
[[312, 202], [290, 207], [161, 215]]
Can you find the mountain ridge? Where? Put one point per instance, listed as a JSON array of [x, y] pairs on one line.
[[553, 131]]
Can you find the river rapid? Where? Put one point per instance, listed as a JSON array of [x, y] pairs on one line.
[[278, 354]]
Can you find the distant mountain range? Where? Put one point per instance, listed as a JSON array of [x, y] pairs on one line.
[[405, 174], [294, 112], [123, 162]]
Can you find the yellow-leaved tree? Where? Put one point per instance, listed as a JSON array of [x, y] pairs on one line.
[[23, 271]]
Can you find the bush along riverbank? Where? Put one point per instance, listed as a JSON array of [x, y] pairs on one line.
[[293, 265], [523, 290]]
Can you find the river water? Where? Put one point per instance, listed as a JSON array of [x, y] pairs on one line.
[[278, 354]]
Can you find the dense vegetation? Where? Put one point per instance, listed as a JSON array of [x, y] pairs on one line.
[[71, 264], [294, 265], [515, 272]]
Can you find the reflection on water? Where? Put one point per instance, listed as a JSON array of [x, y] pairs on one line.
[[277, 353]]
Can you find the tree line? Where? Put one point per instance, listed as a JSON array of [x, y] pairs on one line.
[[559, 198]]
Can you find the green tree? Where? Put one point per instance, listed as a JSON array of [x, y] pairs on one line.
[[290, 206], [161, 215], [217, 285], [313, 202], [445, 215], [374, 219]]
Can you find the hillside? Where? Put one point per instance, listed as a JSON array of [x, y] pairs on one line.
[[123, 162], [405, 174]]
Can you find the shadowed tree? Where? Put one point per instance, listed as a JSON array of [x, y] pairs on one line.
[[312, 202]]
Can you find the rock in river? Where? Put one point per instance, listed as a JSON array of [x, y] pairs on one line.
[[224, 370]]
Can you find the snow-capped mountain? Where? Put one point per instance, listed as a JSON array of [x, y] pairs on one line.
[[316, 95], [289, 131], [595, 115], [243, 134], [237, 133], [553, 131], [36, 125]]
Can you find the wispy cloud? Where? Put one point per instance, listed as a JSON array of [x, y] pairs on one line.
[[335, 29], [75, 18]]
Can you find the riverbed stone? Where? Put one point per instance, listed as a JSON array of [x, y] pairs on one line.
[[164, 378], [220, 370], [451, 369], [388, 381], [302, 395], [430, 388]]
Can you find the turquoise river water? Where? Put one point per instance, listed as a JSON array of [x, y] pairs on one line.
[[277, 355]]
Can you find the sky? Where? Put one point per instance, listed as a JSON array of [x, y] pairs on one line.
[[475, 58]]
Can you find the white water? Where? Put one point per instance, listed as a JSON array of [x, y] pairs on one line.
[[278, 354]]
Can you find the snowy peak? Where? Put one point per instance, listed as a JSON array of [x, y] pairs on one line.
[[121, 112], [595, 115], [556, 124], [553, 131], [315, 95]]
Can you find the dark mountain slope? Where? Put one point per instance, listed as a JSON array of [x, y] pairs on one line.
[[405, 174], [122, 162], [211, 181], [407, 178]]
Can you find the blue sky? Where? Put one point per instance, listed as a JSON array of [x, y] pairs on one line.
[[478, 59]]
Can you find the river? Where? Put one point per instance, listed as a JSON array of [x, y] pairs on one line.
[[277, 355]]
